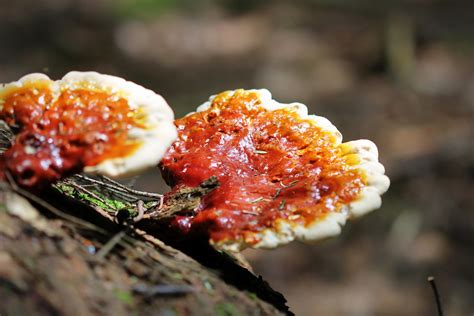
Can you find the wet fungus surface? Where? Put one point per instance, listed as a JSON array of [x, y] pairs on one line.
[[63, 127], [281, 172]]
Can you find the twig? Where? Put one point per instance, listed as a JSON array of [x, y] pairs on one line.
[[95, 181], [137, 192], [84, 190], [432, 282], [107, 247], [119, 188], [123, 195], [11, 181], [162, 289]]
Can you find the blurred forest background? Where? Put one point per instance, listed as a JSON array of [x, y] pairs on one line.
[[398, 72]]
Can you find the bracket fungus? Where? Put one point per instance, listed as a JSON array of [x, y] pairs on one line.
[[283, 174], [84, 122]]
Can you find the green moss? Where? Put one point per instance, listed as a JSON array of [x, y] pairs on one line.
[[116, 204], [227, 309], [177, 276], [124, 296], [65, 189], [150, 204], [252, 295], [105, 203]]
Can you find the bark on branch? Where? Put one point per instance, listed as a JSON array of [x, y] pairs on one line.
[[59, 256]]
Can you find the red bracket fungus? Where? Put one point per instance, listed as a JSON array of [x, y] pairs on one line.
[[85, 121], [283, 174]]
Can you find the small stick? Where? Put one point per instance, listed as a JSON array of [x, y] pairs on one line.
[[122, 194], [80, 176], [125, 188], [104, 251], [84, 190], [11, 181], [432, 282], [118, 186], [98, 182], [162, 289]]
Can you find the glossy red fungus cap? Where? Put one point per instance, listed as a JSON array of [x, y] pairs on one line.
[[283, 174], [85, 121]]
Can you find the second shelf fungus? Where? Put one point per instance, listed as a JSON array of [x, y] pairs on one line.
[[283, 174], [85, 121]]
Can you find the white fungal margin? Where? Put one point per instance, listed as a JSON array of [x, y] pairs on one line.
[[154, 140], [24, 81]]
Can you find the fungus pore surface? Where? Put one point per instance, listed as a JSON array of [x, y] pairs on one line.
[[282, 173]]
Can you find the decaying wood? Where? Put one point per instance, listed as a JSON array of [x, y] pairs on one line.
[[96, 265]]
